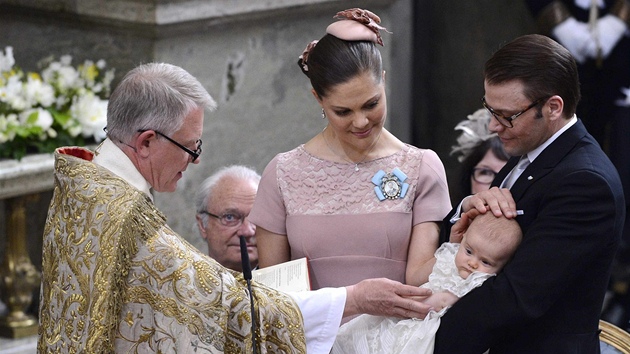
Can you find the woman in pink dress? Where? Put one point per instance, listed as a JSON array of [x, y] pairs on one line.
[[355, 200]]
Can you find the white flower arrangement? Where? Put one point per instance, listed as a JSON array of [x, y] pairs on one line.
[[61, 105]]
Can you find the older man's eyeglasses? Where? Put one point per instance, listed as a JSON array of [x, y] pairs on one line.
[[483, 175], [195, 154], [227, 219], [507, 121]]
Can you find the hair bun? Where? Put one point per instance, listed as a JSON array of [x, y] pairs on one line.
[[357, 25]]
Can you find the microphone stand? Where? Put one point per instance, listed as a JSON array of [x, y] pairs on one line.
[[247, 274]]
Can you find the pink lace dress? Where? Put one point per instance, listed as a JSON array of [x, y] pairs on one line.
[[333, 216]]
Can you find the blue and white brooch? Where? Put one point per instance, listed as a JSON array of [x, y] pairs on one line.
[[390, 185]]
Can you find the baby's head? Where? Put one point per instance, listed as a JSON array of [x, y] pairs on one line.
[[488, 244]]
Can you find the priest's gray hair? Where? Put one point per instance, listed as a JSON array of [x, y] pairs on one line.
[[154, 96]]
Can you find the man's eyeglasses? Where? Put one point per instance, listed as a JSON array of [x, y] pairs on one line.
[[227, 219], [507, 121], [195, 154], [483, 175]]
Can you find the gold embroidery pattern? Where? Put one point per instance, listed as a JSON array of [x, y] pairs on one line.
[[116, 278]]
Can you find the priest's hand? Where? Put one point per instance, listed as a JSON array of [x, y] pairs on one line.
[[386, 297]]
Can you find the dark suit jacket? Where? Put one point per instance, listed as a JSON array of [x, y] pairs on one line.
[[549, 296]]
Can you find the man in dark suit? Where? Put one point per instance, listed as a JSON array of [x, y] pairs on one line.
[[548, 298]]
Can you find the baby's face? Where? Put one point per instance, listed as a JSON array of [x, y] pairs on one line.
[[477, 254]]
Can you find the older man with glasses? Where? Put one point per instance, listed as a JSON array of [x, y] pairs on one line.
[[223, 202]]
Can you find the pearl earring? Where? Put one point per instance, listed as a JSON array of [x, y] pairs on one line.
[[323, 114]]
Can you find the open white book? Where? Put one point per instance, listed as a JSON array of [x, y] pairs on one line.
[[287, 276]]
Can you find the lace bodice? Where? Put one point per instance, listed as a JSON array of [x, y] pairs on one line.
[[332, 215], [312, 186]]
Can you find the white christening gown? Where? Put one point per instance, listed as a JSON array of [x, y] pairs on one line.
[[367, 334]]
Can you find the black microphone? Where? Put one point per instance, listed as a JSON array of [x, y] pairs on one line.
[[247, 274]]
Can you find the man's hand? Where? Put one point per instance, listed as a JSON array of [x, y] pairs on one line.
[[497, 200], [386, 297]]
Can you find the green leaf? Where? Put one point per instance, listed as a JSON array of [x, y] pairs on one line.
[[61, 118], [32, 118]]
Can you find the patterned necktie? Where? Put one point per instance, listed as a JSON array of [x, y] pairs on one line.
[[516, 172]]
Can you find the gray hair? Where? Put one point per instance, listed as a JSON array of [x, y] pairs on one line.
[[154, 96], [205, 192]]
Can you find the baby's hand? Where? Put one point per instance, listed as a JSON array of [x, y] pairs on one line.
[[459, 229], [440, 300]]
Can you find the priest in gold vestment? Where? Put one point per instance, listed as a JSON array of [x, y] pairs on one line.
[[116, 278]]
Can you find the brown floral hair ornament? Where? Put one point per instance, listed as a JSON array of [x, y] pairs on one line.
[[353, 25], [304, 57]]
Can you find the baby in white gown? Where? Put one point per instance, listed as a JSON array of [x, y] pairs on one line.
[[487, 246]]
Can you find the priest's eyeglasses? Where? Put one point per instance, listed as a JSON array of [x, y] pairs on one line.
[[194, 153], [227, 219], [507, 121]]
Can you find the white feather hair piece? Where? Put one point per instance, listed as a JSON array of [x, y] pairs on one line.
[[474, 132]]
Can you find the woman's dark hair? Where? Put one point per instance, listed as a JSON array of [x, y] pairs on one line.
[[468, 164], [333, 61]]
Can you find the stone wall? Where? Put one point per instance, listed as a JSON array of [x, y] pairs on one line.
[[244, 52]]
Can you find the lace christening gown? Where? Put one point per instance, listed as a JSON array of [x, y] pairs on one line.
[[368, 334]]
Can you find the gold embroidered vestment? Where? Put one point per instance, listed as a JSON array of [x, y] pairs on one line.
[[116, 278]]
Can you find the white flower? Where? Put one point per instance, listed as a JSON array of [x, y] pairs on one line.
[[61, 100], [44, 119], [52, 133], [91, 113], [74, 130], [6, 60], [108, 78], [7, 127], [58, 103], [38, 92], [38, 117], [62, 76], [68, 78], [66, 60], [11, 93]]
